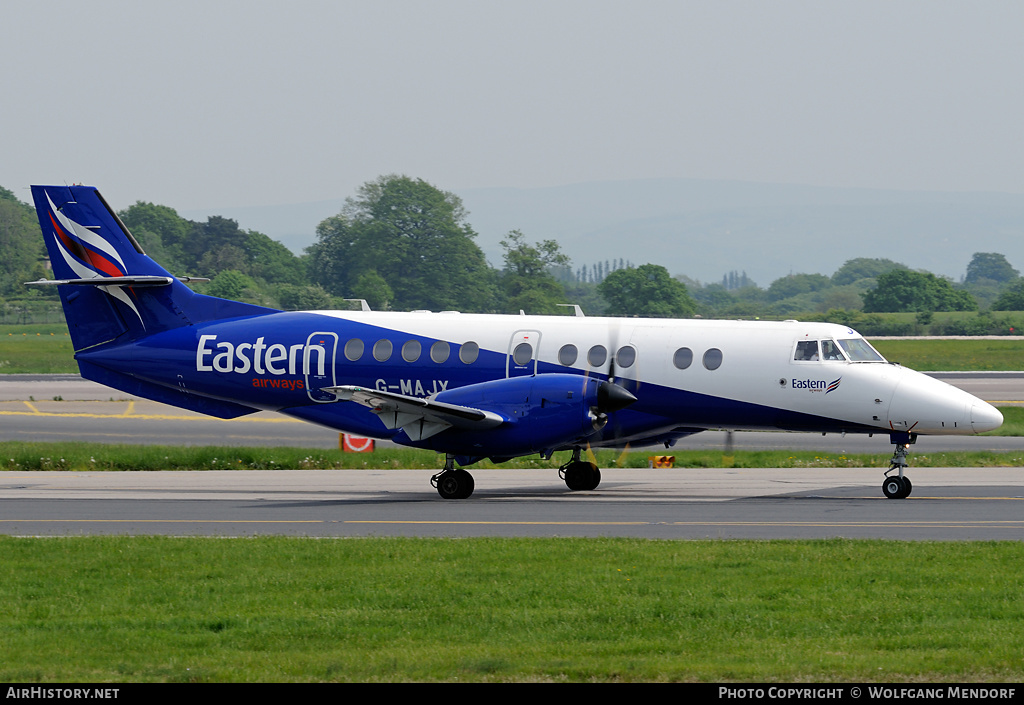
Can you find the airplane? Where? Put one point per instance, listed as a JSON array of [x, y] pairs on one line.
[[475, 386]]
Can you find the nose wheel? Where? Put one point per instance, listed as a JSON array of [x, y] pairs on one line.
[[898, 486]]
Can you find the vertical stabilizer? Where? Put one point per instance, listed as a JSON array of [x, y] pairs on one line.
[[86, 240]]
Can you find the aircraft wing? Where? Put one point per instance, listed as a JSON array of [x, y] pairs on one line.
[[419, 418]]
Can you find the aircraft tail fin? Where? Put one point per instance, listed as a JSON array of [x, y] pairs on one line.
[[109, 288]]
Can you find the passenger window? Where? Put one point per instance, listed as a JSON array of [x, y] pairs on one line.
[[440, 351], [713, 359], [683, 358], [567, 355], [382, 350], [411, 351], [597, 356], [469, 352], [354, 349], [806, 351], [626, 356], [523, 354]]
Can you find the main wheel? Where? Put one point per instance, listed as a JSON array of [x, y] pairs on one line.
[[582, 476], [593, 477], [894, 487], [455, 484]]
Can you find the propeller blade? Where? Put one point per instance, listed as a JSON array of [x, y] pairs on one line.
[[728, 455]]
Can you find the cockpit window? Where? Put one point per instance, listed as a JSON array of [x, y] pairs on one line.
[[831, 352], [815, 350], [859, 350], [806, 350]]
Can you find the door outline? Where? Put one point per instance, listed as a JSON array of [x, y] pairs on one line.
[[522, 336], [325, 364]]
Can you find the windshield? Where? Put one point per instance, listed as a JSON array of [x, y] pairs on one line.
[[809, 351], [858, 350]]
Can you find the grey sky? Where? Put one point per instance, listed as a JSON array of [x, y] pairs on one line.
[[207, 104]]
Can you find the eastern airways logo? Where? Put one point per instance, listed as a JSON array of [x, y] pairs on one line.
[[88, 254], [817, 385]]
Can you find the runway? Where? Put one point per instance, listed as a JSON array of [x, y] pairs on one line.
[[68, 408], [948, 504]]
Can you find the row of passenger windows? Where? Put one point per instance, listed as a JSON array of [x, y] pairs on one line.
[[383, 349], [626, 356], [522, 355]]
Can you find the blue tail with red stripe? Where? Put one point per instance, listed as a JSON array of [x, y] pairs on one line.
[[113, 292]]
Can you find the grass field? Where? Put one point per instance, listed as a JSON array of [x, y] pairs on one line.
[[961, 355], [22, 456], [596, 610], [41, 348]]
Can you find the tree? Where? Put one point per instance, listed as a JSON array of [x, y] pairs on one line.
[[230, 284], [527, 280], [647, 290], [990, 265], [21, 247], [916, 291], [163, 235], [303, 298], [1012, 298], [416, 239], [796, 284], [372, 288], [854, 270], [186, 247]]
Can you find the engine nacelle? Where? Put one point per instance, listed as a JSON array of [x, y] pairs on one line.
[[541, 413]]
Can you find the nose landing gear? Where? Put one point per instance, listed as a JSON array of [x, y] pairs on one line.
[[899, 486]]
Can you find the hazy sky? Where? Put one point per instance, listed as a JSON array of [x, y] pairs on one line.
[[207, 104]]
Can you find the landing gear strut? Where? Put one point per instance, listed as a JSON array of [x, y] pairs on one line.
[[452, 482], [580, 474], [899, 486]]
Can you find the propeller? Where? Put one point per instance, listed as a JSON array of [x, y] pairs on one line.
[[728, 456], [617, 397]]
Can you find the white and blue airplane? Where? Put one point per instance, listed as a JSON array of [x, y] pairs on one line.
[[475, 386]]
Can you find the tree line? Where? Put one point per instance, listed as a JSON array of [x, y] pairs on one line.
[[401, 243]]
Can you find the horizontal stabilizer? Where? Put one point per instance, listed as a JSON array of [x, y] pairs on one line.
[[419, 418], [139, 280]]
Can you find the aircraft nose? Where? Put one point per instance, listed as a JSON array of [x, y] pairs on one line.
[[985, 417]]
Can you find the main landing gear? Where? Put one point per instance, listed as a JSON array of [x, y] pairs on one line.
[[899, 486], [579, 474], [456, 483], [452, 482]]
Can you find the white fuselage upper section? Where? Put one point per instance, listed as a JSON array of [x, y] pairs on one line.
[[767, 364]]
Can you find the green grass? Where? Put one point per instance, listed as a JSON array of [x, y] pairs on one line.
[[967, 355], [135, 609], [36, 348], [68, 456]]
